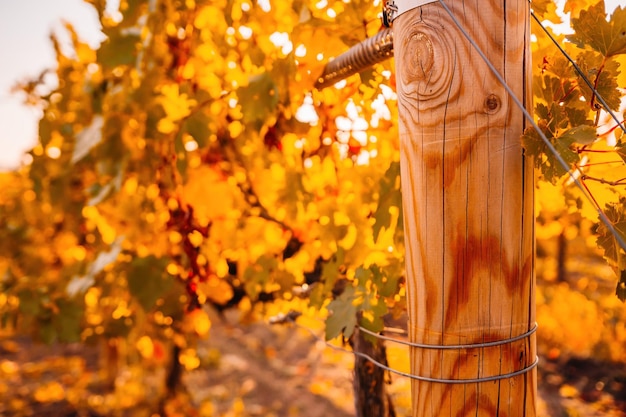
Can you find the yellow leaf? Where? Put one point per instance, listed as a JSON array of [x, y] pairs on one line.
[[189, 359], [176, 106], [568, 391], [9, 367], [216, 290], [175, 237], [166, 126], [348, 241], [145, 347], [200, 322], [221, 268], [49, 393], [92, 296], [235, 128], [195, 238]]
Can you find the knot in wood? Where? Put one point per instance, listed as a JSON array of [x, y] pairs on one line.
[[492, 104], [421, 56]]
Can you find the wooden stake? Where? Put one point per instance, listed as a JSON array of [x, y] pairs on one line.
[[468, 205]]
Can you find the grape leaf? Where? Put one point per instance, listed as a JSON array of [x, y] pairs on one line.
[[68, 321], [603, 74], [574, 7], [390, 196], [342, 317], [545, 10], [258, 99], [549, 165], [593, 30], [615, 212], [147, 280], [331, 271], [583, 135], [118, 50]]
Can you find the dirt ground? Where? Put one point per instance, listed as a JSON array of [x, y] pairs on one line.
[[261, 370]]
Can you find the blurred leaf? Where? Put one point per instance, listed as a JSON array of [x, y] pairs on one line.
[[259, 98], [118, 50], [68, 321], [616, 214], [148, 281], [29, 302], [390, 196], [342, 317]]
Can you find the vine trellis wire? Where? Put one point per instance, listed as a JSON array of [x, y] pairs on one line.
[[378, 49]]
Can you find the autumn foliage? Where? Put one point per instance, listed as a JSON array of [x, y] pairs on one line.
[[188, 165]]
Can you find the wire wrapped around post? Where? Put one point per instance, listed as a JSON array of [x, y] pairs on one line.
[[361, 56]]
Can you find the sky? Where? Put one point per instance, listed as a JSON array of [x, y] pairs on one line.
[[26, 50]]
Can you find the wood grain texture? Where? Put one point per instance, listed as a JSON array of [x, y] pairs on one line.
[[468, 205]]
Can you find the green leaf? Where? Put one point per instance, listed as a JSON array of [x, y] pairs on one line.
[[593, 30], [68, 321], [605, 240], [387, 279], [197, 125], [148, 281], [342, 316], [580, 134], [603, 74], [118, 50], [258, 275], [331, 271], [29, 303], [377, 310], [258, 99], [390, 196]]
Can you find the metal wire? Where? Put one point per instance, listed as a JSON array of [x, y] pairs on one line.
[[418, 377], [444, 347], [361, 56]]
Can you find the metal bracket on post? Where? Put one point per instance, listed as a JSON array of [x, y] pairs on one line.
[[389, 12], [371, 51]]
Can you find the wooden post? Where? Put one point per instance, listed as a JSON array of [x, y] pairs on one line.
[[468, 206]]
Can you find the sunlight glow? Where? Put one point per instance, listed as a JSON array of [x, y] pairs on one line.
[[281, 40], [363, 158], [301, 50], [265, 5], [191, 145], [245, 32], [306, 112], [321, 4], [53, 152]]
